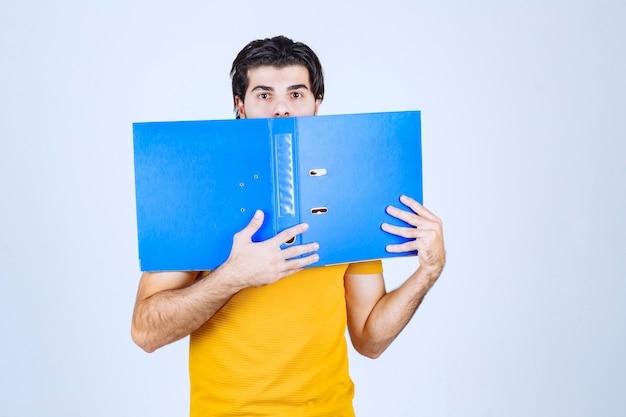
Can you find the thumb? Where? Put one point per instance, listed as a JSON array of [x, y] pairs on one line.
[[254, 225]]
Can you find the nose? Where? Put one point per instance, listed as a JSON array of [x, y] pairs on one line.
[[281, 109]]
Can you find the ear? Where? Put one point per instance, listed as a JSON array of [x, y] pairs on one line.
[[240, 107], [317, 105]]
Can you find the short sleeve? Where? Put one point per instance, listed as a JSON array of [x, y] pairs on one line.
[[368, 267]]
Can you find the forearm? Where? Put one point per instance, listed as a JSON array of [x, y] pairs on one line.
[[171, 305], [167, 316], [392, 313]]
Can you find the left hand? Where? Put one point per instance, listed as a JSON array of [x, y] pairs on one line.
[[426, 234]]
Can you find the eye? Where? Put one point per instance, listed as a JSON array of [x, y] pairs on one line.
[[296, 94], [263, 96]]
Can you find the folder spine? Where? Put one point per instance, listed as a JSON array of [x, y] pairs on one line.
[[283, 136], [285, 182]]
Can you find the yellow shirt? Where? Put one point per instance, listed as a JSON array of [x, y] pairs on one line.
[[277, 350]]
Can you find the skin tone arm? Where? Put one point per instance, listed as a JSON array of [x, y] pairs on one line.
[[375, 316], [171, 305]]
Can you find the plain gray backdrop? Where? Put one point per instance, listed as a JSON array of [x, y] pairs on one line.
[[524, 145]]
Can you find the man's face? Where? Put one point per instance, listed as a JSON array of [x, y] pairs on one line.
[[278, 92]]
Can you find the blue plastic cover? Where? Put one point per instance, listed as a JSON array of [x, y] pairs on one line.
[[199, 182]]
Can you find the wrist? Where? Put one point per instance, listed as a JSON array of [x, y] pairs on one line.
[[429, 273], [227, 279]]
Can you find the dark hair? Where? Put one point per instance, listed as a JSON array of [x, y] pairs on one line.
[[279, 52]]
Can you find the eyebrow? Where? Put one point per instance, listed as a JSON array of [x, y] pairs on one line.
[[290, 88], [297, 87]]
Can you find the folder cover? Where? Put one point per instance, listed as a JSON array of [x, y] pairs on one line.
[[197, 183]]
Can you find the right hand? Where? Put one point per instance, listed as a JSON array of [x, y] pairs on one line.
[[261, 263]]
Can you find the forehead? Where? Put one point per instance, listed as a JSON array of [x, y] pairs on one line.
[[271, 76]]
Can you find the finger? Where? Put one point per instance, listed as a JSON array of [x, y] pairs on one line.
[[294, 251], [403, 247], [407, 217], [407, 232], [299, 263], [289, 234], [254, 225], [417, 207]]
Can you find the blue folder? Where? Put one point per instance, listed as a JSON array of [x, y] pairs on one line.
[[197, 183]]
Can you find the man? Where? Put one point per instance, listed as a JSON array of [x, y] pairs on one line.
[[267, 335]]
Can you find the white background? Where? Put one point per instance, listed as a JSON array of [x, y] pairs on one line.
[[524, 159]]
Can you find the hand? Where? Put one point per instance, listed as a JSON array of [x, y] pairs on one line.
[[426, 234], [262, 263]]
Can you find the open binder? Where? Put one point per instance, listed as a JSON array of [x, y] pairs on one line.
[[199, 182]]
